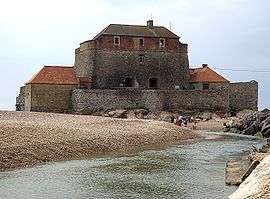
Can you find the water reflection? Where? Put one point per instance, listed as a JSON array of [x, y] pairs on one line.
[[189, 170]]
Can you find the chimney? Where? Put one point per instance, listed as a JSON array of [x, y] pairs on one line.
[[204, 65], [150, 24]]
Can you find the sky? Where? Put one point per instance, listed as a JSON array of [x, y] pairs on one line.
[[226, 34]]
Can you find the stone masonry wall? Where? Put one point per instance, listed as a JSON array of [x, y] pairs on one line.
[[68, 98], [112, 67], [89, 101], [244, 95], [196, 100], [51, 98], [86, 101], [20, 100], [27, 97], [84, 59], [108, 68]]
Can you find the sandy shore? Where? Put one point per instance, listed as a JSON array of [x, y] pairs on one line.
[[28, 138], [210, 125]]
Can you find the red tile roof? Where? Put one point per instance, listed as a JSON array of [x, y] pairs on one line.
[[206, 75], [55, 75]]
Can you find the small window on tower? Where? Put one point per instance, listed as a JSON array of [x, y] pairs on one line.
[[141, 59], [162, 43], [116, 40], [141, 42], [205, 86]]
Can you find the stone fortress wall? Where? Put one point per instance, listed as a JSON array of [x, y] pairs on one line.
[[45, 98], [243, 95], [225, 99], [63, 99], [108, 66]]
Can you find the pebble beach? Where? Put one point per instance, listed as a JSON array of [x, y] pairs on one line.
[[29, 138]]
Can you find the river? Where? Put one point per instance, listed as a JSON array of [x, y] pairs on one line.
[[190, 169]]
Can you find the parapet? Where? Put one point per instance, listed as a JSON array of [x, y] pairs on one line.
[[183, 48], [87, 45]]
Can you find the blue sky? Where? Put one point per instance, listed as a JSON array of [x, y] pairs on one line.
[[230, 34]]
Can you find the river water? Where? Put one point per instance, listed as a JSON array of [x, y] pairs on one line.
[[193, 169]]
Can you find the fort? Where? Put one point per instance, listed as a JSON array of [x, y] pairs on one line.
[[130, 67]]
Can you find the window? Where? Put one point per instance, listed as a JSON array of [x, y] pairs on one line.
[[161, 43], [100, 40], [153, 83], [141, 59], [129, 82], [141, 40], [205, 86], [116, 41]]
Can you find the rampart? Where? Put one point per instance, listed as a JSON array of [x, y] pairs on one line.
[[88, 101], [243, 95], [50, 98]]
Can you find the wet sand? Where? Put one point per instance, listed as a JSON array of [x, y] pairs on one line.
[[28, 138]]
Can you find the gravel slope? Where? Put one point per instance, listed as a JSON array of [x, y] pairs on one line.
[[28, 138]]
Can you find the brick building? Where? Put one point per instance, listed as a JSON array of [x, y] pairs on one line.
[[134, 56], [205, 78], [132, 66]]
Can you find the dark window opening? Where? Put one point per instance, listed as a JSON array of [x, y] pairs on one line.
[[129, 82], [141, 42], [205, 86], [141, 59], [153, 83], [117, 41], [83, 86], [161, 42]]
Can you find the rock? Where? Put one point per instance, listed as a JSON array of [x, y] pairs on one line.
[[217, 116], [235, 169], [263, 116], [131, 115], [253, 165], [266, 110], [207, 116], [244, 113], [265, 129], [166, 116], [251, 123], [141, 113], [257, 183], [119, 113], [265, 122], [152, 116], [234, 130], [251, 130]]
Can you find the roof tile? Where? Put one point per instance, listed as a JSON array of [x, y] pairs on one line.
[[55, 75], [205, 75]]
